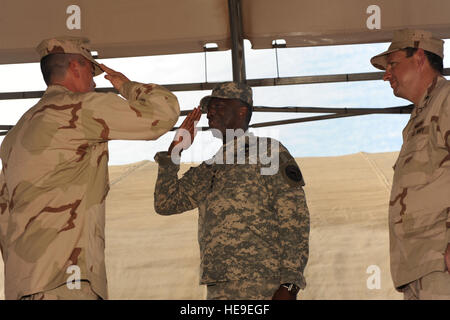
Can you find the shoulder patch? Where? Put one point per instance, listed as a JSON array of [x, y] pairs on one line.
[[292, 174]]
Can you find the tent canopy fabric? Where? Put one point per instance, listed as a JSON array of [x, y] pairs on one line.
[[123, 28]]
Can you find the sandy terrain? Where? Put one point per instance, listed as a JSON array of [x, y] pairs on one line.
[[157, 257]]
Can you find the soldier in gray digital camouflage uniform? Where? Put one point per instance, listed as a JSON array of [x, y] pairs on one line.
[[54, 177], [419, 221], [253, 223]]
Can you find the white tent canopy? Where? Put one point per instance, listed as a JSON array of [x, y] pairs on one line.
[[124, 28]]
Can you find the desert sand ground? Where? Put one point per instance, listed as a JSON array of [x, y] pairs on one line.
[[157, 257]]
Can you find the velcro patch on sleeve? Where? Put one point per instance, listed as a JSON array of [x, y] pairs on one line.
[[292, 174]]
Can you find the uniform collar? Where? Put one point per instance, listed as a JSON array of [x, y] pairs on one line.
[[437, 82], [55, 89], [236, 145]]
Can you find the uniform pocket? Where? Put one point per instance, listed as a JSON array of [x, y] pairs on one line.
[[412, 167], [413, 146], [425, 225]]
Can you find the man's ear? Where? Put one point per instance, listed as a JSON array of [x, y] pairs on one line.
[[420, 57], [74, 68], [243, 110]]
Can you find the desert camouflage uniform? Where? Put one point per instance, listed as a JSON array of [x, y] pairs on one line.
[[54, 181], [63, 292], [420, 201], [250, 226]]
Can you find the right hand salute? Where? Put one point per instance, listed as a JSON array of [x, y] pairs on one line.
[[116, 78], [187, 131]]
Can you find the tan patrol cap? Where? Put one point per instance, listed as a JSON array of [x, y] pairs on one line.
[[409, 38], [77, 45]]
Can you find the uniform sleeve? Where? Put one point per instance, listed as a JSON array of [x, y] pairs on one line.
[[173, 195], [444, 127], [147, 112], [289, 202], [4, 212]]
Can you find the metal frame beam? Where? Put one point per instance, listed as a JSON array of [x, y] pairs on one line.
[[237, 40], [331, 78], [7, 128], [336, 113]]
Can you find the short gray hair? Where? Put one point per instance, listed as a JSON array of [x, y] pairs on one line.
[[54, 66]]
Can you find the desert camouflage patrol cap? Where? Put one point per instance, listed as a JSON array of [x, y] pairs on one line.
[[229, 90], [408, 38], [77, 45]]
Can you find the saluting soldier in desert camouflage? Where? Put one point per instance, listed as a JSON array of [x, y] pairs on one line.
[[54, 177], [419, 221], [253, 225]]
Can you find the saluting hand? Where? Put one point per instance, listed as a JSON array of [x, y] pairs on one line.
[[187, 131], [116, 78], [283, 294]]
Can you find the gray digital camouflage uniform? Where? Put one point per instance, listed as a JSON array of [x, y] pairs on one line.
[[54, 181], [250, 226], [419, 219]]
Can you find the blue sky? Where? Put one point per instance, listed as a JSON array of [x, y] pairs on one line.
[[370, 133]]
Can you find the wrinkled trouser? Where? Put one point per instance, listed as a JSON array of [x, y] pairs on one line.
[[262, 289], [64, 293], [433, 286]]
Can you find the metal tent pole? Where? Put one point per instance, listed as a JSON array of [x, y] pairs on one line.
[[237, 41]]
